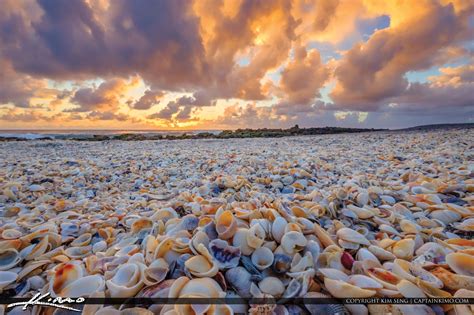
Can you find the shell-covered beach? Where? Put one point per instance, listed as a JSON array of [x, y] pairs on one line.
[[385, 214]]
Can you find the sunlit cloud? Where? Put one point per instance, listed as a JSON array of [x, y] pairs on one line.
[[212, 64]]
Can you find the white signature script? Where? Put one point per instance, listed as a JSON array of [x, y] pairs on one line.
[[46, 300]]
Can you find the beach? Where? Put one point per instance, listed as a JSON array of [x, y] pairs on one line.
[[305, 216]]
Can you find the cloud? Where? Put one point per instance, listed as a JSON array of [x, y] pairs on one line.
[[304, 76], [105, 97], [372, 72], [280, 57], [148, 100]]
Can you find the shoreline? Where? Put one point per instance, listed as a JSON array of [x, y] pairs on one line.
[[225, 134]]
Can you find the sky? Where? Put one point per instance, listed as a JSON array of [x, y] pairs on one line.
[[207, 64]]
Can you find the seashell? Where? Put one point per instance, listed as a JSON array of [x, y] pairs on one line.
[[364, 282], [453, 281], [272, 286], [140, 224], [408, 226], [323, 236], [99, 247], [362, 213], [84, 287], [278, 228], [381, 253], [202, 265], [31, 266], [223, 254], [293, 242], [63, 275], [281, 263], [342, 289], [262, 258], [461, 263], [352, 236], [127, 281], [239, 279], [11, 234], [334, 274], [388, 279], [226, 225], [364, 254], [7, 277], [199, 238], [388, 229], [362, 199], [404, 249], [78, 252], [200, 287], [410, 290], [463, 309], [255, 236], [431, 291], [445, 216], [301, 263], [330, 309], [159, 290], [82, 240], [9, 258], [155, 272], [240, 240]]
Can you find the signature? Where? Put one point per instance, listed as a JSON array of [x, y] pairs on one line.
[[46, 300]]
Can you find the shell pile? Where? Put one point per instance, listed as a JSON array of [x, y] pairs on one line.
[[357, 215]]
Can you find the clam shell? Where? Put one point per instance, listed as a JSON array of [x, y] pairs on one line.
[[223, 254], [453, 281], [9, 258], [278, 228], [404, 249], [240, 240], [127, 281], [342, 289], [410, 290], [293, 242], [226, 225], [350, 235], [262, 258], [202, 265], [256, 236], [84, 287], [272, 286], [461, 263], [7, 277]]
